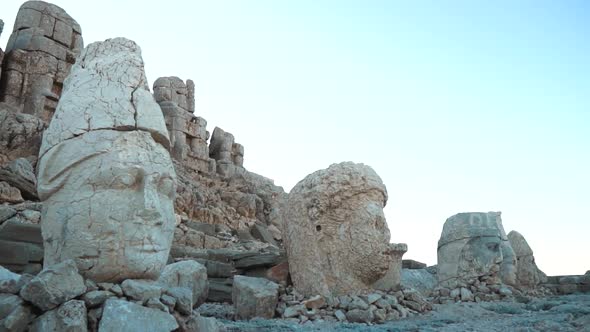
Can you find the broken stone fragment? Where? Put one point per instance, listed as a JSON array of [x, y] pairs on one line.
[[54, 285], [9, 194], [141, 290]]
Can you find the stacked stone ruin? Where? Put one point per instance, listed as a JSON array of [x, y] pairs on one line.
[[188, 132], [44, 44], [200, 237]]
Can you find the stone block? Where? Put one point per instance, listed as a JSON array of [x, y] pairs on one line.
[[120, 315], [188, 274], [254, 297], [63, 33], [141, 290]]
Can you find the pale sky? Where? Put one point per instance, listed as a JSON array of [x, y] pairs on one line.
[[458, 105]]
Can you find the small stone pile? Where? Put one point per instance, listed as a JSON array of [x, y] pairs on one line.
[[485, 288], [376, 307], [59, 299]]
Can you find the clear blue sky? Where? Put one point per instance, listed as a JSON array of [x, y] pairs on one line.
[[458, 105]]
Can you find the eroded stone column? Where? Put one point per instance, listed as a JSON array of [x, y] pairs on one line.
[[44, 44], [188, 133]]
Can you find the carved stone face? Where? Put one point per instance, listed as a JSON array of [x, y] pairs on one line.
[[109, 204], [360, 241], [335, 231], [481, 256]]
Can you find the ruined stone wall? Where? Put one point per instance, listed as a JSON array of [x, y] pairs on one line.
[[44, 44]]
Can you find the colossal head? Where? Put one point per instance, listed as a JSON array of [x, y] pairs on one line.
[[474, 245], [528, 275], [336, 236], [105, 174]]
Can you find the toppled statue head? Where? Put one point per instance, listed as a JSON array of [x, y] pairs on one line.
[[105, 173], [472, 246], [336, 236], [528, 275]]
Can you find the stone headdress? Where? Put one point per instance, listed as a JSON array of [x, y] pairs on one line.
[[105, 92]]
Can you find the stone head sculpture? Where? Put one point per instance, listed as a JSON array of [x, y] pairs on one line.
[[474, 245], [105, 174], [336, 236], [528, 275]]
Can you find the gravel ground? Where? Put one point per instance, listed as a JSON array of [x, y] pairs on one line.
[[558, 313]]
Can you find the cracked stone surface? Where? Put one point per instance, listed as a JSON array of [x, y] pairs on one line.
[[335, 232], [104, 173], [106, 89]]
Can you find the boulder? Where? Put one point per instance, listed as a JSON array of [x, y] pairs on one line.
[[254, 297], [54, 285], [188, 274], [70, 316], [120, 315]]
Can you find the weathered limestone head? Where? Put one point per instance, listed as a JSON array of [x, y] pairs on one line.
[[335, 232], [528, 275], [474, 245], [105, 174]]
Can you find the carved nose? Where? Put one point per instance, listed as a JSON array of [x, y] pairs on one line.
[[151, 204]]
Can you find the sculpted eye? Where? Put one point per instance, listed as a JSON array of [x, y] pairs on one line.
[[166, 186], [124, 181], [493, 247]]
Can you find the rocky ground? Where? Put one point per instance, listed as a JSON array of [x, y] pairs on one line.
[[557, 313]]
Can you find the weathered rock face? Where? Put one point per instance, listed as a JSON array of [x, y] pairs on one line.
[[474, 245], [227, 154], [107, 144], [528, 274], [335, 233], [44, 44], [188, 133], [20, 134]]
